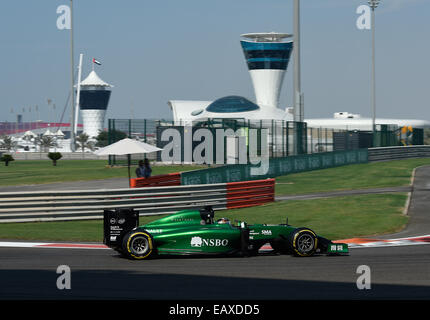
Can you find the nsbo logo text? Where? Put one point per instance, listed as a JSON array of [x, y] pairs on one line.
[[200, 242]]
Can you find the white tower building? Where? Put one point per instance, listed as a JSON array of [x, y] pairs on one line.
[[93, 102], [267, 56]]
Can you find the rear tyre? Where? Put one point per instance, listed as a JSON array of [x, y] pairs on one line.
[[138, 245], [303, 242]]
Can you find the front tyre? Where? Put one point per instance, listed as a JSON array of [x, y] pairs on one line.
[[303, 242], [138, 245]]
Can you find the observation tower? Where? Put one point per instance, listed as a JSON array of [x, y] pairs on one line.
[[93, 102], [267, 56]]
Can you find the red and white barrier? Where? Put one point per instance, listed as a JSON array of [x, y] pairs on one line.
[[250, 193], [170, 179]]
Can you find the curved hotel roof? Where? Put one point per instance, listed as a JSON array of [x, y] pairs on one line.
[[234, 107], [231, 104]]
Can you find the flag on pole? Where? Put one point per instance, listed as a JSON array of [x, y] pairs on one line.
[[96, 62]]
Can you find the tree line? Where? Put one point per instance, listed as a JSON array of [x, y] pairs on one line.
[[44, 143]]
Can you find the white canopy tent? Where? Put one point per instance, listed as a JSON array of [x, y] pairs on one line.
[[29, 133], [59, 133], [48, 133], [127, 147]]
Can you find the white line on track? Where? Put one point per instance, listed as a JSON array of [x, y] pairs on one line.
[[52, 245]]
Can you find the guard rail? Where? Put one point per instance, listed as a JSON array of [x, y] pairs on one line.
[[89, 204]]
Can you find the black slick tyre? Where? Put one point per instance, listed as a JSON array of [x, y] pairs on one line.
[[303, 242], [138, 244]]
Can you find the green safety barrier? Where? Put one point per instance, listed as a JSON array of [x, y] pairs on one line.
[[277, 167]]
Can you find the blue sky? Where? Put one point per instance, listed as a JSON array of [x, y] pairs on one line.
[[154, 51]]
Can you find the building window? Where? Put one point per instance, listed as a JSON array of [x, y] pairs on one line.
[[232, 104]]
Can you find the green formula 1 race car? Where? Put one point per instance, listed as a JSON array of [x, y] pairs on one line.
[[195, 232]]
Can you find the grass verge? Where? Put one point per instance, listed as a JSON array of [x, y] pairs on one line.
[[334, 218], [357, 176], [27, 172]]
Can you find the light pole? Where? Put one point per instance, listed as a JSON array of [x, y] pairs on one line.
[[373, 5], [298, 107], [72, 94], [296, 85]]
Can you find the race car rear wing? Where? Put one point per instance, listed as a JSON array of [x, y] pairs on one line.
[[116, 224]]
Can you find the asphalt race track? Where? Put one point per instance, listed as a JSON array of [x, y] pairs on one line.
[[397, 272]]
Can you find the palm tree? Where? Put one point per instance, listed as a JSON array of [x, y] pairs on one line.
[[7, 143], [103, 137], [45, 142], [82, 142], [55, 156], [6, 158]]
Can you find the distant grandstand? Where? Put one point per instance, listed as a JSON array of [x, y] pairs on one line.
[[39, 127]]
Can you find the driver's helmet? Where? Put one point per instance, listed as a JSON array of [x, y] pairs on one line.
[[223, 220]]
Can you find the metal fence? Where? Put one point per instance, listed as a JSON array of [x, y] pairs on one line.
[[277, 167], [398, 153]]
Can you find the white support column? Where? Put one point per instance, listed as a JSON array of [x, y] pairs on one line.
[[78, 91]]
